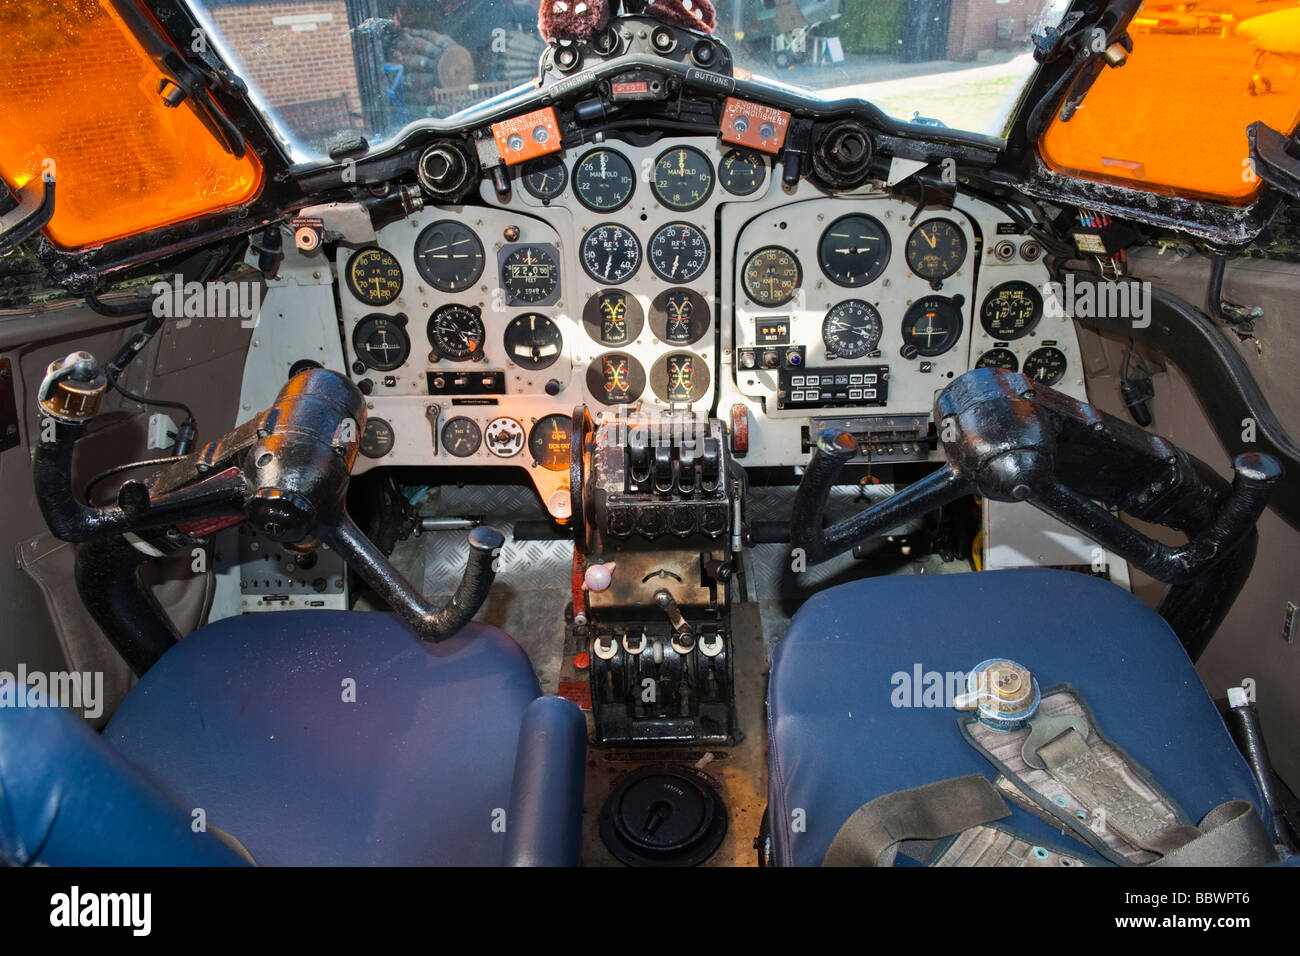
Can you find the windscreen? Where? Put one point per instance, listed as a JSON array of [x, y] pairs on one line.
[[325, 70]]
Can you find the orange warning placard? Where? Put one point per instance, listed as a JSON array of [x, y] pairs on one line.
[[754, 125], [527, 137]]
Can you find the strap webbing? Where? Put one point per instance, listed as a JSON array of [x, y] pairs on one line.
[[870, 837]]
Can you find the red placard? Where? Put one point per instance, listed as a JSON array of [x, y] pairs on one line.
[[754, 125], [527, 137]]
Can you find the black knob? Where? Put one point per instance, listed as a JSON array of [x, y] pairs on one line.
[[365, 386], [554, 387]]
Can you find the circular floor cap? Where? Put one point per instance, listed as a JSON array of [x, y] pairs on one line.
[[663, 816]]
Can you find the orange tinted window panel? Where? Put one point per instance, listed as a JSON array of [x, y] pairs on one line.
[[77, 89], [1174, 118]]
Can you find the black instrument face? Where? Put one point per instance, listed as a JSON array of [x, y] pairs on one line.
[[461, 437], [1011, 310], [533, 341], [683, 178], [854, 250], [550, 440], [615, 378], [613, 317], [381, 343], [772, 276], [545, 178], [679, 316], [530, 274], [603, 180], [611, 254], [377, 438], [936, 249], [679, 252], [449, 256], [999, 358], [374, 276], [680, 378], [852, 329], [456, 333], [933, 325], [742, 172], [1046, 365]]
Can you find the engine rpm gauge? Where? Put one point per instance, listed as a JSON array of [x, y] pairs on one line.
[[679, 252], [449, 256], [381, 343], [999, 358], [854, 250], [550, 440], [741, 172], [683, 178], [936, 249], [456, 333], [533, 341], [772, 276], [932, 325], [461, 437], [851, 329], [611, 253], [530, 274], [545, 178], [1046, 365], [374, 276], [603, 180], [1011, 310]]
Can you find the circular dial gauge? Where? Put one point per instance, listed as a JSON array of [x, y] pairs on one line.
[[1011, 310], [505, 437], [854, 250], [678, 252], [772, 276], [611, 253], [613, 317], [550, 440], [852, 329], [374, 276], [449, 256], [683, 178], [936, 249], [932, 325], [381, 343], [545, 178], [377, 438], [533, 341], [603, 180], [615, 378], [456, 333], [742, 172], [1046, 365], [461, 437], [680, 378], [679, 316], [999, 358], [530, 274]]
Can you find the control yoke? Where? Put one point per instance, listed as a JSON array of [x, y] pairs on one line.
[[285, 471], [1008, 438]]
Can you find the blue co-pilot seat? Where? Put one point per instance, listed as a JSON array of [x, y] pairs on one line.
[[837, 741], [312, 738]]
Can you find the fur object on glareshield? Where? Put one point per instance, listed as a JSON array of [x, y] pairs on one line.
[[689, 14], [572, 19]]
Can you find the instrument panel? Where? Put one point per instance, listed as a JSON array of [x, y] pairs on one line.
[[679, 274]]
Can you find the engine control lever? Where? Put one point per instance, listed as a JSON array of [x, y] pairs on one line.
[[681, 627]]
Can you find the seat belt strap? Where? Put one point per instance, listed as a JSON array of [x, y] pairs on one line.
[[870, 837], [1077, 767], [1232, 834]]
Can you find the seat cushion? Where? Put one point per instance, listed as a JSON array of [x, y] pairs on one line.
[[837, 740], [335, 737]]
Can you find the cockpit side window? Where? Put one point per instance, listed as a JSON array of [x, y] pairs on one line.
[[1173, 118]]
